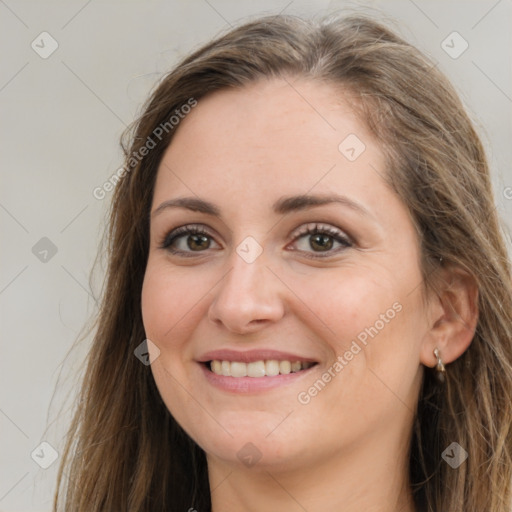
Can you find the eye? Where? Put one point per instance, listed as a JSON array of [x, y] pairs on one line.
[[193, 238], [321, 238], [187, 239]]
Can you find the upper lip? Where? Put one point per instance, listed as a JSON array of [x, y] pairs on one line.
[[249, 356]]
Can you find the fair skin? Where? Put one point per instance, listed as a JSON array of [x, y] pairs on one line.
[[346, 447]]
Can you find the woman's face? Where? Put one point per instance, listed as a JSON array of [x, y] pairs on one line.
[[252, 290]]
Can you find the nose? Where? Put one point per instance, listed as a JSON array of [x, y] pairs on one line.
[[248, 298]]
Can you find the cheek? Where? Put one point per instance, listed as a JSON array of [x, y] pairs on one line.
[[369, 316], [169, 303], [155, 304], [347, 301]]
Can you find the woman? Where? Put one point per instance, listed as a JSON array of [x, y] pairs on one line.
[[306, 261]]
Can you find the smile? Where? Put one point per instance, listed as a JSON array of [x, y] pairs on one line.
[[257, 369]]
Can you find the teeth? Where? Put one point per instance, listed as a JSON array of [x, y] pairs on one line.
[[285, 367], [296, 366], [238, 369], [256, 369], [272, 368], [268, 368], [216, 367], [226, 368]]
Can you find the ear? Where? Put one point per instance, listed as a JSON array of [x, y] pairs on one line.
[[452, 316]]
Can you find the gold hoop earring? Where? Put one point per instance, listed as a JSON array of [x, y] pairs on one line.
[[440, 368]]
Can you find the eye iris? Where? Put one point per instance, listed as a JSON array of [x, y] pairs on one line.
[[324, 242], [193, 239]]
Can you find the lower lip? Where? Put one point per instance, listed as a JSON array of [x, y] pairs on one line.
[[252, 384]]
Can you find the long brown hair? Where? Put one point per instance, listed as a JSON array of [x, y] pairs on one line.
[[124, 450]]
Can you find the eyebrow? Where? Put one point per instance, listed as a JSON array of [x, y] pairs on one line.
[[282, 206]]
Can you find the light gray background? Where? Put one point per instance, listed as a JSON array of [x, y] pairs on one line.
[[61, 118]]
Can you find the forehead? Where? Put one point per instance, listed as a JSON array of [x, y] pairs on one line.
[[268, 139], [278, 111]]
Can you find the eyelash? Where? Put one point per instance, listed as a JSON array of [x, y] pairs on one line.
[[309, 229]]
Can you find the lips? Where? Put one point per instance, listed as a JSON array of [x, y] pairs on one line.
[[254, 371]]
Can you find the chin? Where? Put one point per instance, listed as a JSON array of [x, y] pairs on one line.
[[254, 445]]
